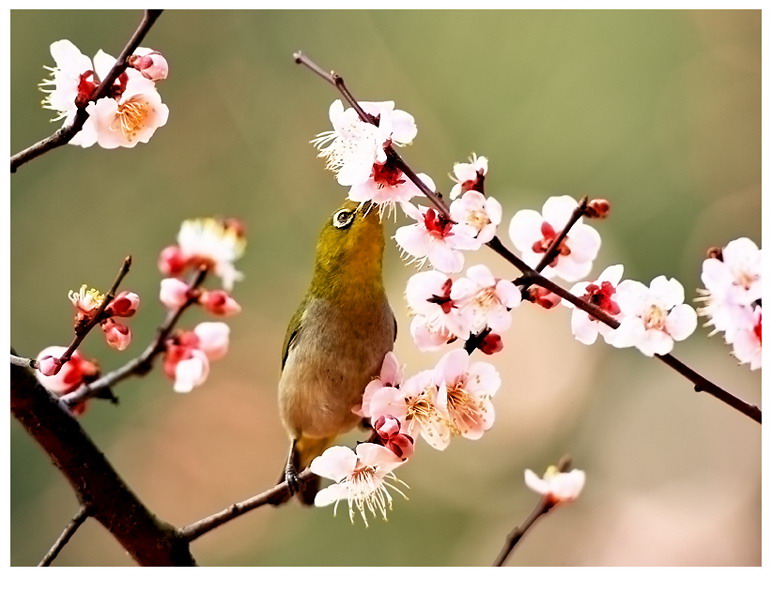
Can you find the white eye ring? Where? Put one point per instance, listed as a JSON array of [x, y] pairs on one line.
[[343, 218]]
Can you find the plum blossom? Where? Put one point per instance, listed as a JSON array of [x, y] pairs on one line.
[[127, 120], [117, 335], [468, 389], [533, 233], [219, 302], [652, 318], [130, 112], [475, 210], [556, 486], [174, 293], [485, 299], [437, 317], [419, 406], [601, 293], [360, 479], [63, 378], [188, 353], [72, 81], [391, 375], [469, 176], [208, 242], [435, 237], [732, 297], [386, 186], [87, 302], [354, 146]]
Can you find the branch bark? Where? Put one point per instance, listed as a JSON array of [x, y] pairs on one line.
[[99, 488]]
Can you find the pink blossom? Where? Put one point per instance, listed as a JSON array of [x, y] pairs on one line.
[[386, 186], [437, 317], [556, 486], [652, 318], [117, 335], [354, 146], [219, 302], [435, 237], [213, 338], [86, 302], [418, 405], [469, 176], [390, 376], [746, 342], [191, 372], [468, 389], [174, 293], [171, 262], [73, 81], [486, 299], [66, 377], [601, 293], [533, 233], [478, 212], [213, 243], [360, 478]]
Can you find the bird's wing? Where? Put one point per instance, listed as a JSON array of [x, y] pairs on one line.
[[293, 330]]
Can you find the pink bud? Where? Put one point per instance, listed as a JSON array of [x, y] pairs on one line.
[[125, 304], [118, 336], [219, 302], [387, 426], [171, 262], [152, 65], [49, 365], [174, 293], [401, 445], [491, 344]]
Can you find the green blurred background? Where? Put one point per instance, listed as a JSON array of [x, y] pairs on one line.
[[659, 111]]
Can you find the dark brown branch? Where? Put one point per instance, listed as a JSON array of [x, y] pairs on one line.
[[531, 276], [144, 362], [97, 485], [68, 532], [542, 508], [66, 133], [275, 495]]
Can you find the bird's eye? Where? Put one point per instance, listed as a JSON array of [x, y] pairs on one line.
[[342, 218]]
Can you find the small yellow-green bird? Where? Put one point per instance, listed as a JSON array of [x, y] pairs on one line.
[[336, 340]]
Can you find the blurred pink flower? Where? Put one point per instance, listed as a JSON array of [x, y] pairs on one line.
[[557, 487], [117, 335]]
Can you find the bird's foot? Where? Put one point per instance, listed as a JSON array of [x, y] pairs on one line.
[[292, 478]]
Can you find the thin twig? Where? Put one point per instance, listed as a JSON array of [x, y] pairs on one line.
[[143, 363], [531, 276], [552, 250], [207, 524], [68, 532], [542, 508], [82, 331], [66, 133], [22, 361]]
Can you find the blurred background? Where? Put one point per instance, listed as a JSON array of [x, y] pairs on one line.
[[658, 111]]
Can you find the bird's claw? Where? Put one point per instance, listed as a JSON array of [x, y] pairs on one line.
[[292, 478]]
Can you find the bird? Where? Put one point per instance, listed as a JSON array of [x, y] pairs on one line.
[[335, 342]]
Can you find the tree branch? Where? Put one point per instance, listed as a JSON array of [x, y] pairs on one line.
[[531, 276], [542, 508], [66, 133], [62, 540], [150, 541], [275, 495]]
